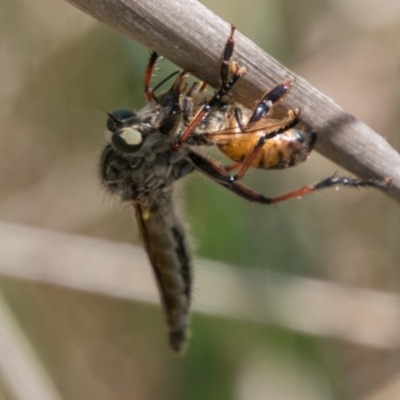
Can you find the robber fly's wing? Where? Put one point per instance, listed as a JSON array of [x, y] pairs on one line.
[[166, 245]]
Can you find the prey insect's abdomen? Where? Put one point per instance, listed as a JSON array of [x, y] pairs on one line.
[[170, 255], [285, 150]]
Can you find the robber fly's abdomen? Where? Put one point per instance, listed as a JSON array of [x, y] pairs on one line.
[[170, 255], [147, 182]]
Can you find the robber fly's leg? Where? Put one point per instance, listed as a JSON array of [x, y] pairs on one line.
[[227, 66], [232, 167], [385, 183], [148, 91], [230, 73], [217, 173]]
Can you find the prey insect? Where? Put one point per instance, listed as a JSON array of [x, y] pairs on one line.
[[163, 142]]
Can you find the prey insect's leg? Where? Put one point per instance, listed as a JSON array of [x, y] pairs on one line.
[[261, 111], [292, 119], [273, 96], [148, 91], [230, 73], [194, 90], [217, 173]]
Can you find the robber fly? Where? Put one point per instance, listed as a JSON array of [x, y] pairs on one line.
[[163, 142]]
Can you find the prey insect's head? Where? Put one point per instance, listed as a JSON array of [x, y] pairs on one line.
[[124, 138]]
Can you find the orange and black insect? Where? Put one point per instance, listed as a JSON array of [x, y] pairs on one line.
[[163, 142]]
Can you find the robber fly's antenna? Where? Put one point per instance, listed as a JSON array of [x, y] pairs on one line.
[[116, 120]]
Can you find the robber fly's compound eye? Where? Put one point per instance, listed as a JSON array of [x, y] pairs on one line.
[[128, 140], [124, 138], [116, 119]]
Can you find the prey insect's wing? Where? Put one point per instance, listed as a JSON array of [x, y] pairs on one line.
[[266, 143], [253, 130], [165, 243]]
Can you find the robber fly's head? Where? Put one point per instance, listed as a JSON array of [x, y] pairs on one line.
[[123, 136]]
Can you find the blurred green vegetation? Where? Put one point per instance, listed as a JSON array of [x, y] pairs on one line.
[[60, 70]]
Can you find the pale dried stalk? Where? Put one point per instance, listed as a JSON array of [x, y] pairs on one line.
[[21, 371], [310, 306], [190, 35]]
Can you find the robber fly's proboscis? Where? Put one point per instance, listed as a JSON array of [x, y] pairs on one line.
[[151, 149]]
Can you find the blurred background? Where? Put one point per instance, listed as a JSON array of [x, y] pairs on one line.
[[59, 70]]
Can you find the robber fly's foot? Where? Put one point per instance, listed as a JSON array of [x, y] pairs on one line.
[[385, 183]]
